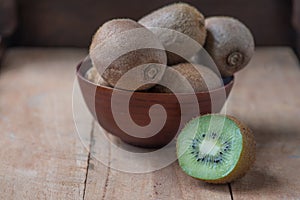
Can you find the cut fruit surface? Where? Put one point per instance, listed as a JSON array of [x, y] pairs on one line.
[[213, 148]]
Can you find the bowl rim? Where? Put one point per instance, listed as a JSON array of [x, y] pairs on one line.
[[81, 76]]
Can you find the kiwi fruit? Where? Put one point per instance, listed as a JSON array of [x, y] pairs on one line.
[[180, 17], [123, 45], [200, 78], [93, 76], [230, 44], [215, 148]]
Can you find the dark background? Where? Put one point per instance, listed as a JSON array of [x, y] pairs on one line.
[[72, 22]]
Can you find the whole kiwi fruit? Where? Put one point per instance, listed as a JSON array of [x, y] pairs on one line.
[[188, 78], [93, 76], [230, 44], [216, 148], [182, 18], [123, 46]]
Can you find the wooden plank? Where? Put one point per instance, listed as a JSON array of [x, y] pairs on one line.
[[267, 105], [41, 156], [166, 183], [266, 96]]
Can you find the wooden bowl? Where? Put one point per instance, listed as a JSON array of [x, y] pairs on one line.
[[98, 100]]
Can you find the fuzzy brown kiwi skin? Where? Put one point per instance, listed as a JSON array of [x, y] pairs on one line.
[[93, 76], [180, 17], [192, 75], [129, 60], [247, 157], [110, 28], [229, 43]]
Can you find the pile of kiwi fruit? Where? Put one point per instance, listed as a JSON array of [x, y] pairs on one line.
[[214, 148]]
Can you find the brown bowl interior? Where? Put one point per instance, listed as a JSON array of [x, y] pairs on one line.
[[98, 101]]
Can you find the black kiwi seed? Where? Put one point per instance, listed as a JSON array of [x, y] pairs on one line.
[[213, 135], [208, 158], [222, 160], [226, 148]]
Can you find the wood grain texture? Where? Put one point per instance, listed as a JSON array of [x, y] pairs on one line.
[[266, 97], [41, 156], [167, 183]]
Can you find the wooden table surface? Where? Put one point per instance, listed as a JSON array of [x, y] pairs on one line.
[[43, 157]]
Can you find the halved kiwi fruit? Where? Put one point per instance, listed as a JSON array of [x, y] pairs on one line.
[[216, 148]]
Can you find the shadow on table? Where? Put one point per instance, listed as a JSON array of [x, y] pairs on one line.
[[255, 180]]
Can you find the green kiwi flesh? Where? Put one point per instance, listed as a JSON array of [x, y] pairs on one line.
[[215, 148]]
